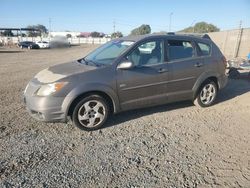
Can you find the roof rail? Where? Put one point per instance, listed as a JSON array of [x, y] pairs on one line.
[[201, 35]]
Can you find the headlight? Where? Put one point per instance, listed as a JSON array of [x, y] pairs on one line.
[[48, 89]]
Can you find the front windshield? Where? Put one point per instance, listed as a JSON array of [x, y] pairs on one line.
[[107, 53]]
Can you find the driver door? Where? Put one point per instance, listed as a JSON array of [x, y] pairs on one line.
[[145, 83]]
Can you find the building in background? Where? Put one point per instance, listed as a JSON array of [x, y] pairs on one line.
[[68, 34]]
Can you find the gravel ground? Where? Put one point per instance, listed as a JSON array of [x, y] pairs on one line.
[[175, 145]]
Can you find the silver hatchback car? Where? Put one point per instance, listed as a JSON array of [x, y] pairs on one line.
[[128, 73]]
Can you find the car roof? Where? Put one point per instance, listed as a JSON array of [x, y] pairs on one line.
[[173, 36]]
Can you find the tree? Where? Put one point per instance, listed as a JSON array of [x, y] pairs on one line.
[[37, 30], [95, 34], [42, 28], [142, 30], [23, 35], [7, 33], [117, 34], [201, 27], [68, 35]]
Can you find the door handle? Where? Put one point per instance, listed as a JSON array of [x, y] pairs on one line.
[[198, 64], [162, 70]]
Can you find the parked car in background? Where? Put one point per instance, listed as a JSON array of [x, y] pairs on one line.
[[28, 44], [59, 42], [43, 44], [128, 73]]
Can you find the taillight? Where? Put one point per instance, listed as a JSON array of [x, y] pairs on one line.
[[224, 60]]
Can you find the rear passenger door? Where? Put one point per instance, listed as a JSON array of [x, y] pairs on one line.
[[185, 66]]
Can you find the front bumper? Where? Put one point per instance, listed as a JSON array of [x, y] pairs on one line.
[[47, 109]]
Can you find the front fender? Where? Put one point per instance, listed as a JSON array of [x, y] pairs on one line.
[[90, 87]]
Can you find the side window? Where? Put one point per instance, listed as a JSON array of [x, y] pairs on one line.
[[205, 48], [179, 49], [147, 53]]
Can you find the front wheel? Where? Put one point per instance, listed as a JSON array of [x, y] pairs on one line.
[[206, 94], [90, 113]]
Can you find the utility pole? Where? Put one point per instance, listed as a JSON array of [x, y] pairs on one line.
[[170, 20], [192, 25], [49, 28], [238, 41], [114, 25]]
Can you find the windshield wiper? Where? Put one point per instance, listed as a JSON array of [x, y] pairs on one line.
[[88, 62], [83, 60]]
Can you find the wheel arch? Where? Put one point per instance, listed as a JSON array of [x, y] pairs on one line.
[[200, 83], [84, 89], [112, 104]]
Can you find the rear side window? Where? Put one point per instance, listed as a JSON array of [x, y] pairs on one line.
[[179, 49], [205, 48]]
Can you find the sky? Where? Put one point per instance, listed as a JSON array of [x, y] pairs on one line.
[[102, 15]]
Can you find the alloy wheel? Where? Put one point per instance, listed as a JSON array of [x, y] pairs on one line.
[[91, 113], [208, 93]]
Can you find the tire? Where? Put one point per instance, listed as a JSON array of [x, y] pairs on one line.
[[90, 113], [206, 95]]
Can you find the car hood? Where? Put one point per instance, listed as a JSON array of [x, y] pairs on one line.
[[57, 72]]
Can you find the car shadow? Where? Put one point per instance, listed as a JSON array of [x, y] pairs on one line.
[[137, 113], [10, 51], [233, 89]]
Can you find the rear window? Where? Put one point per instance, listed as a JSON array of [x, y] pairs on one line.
[[205, 48], [179, 49]]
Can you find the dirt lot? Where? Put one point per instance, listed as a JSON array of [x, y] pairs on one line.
[[176, 145]]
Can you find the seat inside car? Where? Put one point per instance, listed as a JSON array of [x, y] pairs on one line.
[[156, 55], [134, 57]]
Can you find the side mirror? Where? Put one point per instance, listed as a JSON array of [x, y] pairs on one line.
[[125, 65]]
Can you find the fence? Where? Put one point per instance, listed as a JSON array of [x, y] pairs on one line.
[[233, 43], [74, 41]]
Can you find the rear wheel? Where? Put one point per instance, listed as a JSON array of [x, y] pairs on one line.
[[90, 113], [206, 94]]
